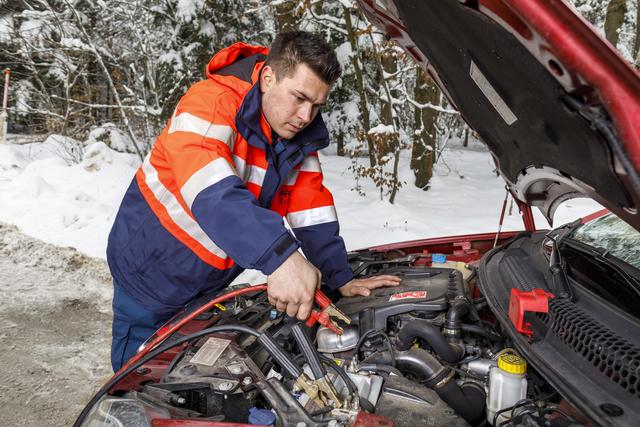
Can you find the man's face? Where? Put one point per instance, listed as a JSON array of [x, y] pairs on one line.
[[289, 104]]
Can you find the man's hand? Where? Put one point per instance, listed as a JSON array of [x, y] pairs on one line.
[[292, 286], [363, 286]]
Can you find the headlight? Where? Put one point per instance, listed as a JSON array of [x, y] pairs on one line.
[[119, 412]]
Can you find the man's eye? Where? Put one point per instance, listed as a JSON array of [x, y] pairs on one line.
[[299, 98]]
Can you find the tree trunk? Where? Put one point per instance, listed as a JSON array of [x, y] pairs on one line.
[[424, 141], [364, 108], [386, 66], [286, 19], [340, 143], [636, 44], [614, 19]]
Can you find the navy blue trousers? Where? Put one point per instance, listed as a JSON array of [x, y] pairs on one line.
[[132, 325]]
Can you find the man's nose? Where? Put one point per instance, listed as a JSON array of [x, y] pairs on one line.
[[304, 112]]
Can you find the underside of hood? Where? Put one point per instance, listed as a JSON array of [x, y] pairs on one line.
[[556, 105]]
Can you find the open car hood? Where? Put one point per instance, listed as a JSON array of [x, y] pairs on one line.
[[554, 102]]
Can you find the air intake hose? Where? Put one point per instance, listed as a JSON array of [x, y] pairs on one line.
[[448, 351], [453, 319], [467, 400]]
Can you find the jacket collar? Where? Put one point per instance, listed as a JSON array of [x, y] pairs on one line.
[[312, 138]]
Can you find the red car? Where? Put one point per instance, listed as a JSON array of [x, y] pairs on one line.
[[536, 328]]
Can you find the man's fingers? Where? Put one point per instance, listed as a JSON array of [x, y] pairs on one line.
[[292, 309], [304, 311], [390, 280], [361, 290], [373, 284], [281, 306]]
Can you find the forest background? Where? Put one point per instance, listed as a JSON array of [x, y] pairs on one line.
[[114, 70]]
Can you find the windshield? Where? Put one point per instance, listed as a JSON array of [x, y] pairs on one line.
[[613, 235]]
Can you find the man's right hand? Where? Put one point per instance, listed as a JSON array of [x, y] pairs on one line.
[[291, 288]]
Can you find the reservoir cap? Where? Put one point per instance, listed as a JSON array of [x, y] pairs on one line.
[[512, 363]]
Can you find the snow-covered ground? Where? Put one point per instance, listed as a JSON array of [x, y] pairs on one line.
[[48, 196]]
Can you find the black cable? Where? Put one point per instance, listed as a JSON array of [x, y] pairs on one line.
[[552, 409], [155, 352], [174, 362], [338, 370], [481, 330], [373, 333], [321, 411], [518, 404], [379, 368], [351, 386]]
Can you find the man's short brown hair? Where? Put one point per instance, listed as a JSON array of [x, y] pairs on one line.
[[295, 47]]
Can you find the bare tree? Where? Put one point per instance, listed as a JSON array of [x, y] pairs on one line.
[[614, 19]]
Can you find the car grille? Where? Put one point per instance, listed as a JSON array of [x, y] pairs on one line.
[[611, 354]]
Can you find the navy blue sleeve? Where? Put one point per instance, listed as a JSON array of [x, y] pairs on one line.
[[323, 246], [254, 237]]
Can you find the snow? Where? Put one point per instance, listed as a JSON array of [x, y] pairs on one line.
[[74, 203], [62, 202], [188, 9], [6, 28], [381, 129]]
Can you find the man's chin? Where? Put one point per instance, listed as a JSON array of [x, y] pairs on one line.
[[286, 134]]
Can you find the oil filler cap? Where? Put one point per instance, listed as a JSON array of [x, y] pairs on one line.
[[512, 363]]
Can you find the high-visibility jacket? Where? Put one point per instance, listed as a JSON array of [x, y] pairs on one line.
[[209, 198]]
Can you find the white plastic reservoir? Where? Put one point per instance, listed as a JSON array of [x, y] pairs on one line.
[[507, 385]]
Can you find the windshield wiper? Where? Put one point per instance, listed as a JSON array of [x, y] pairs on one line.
[[561, 285]]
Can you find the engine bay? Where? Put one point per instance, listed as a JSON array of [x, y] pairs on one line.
[[427, 352]]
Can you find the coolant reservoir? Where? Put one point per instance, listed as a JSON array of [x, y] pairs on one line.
[[507, 385], [456, 265]]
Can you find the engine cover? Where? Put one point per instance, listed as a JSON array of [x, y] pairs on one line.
[[422, 289]]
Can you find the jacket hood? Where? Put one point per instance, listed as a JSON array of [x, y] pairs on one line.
[[556, 105], [233, 54]]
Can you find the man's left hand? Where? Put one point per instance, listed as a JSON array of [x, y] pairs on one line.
[[363, 286]]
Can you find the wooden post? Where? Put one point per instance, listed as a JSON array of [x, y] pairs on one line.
[[3, 113]]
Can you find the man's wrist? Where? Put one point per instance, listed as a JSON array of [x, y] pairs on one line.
[[278, 253]]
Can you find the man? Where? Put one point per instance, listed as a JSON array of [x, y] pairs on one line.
[[239, 153]]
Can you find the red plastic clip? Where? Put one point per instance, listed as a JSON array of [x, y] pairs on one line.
[[521, 302]]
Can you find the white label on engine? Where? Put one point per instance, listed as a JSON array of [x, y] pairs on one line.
[[210, 351], [408, 295], [492, 96]]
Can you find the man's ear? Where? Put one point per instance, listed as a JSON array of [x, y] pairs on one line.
[[267, 78]]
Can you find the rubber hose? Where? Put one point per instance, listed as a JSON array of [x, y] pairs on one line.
[[459, 309], [488, 334], [467, 401], [449, 352]]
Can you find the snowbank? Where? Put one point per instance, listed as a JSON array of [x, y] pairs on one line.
[[74, 204]]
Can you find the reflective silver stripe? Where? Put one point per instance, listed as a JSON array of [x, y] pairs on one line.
[[313, 216], [255, 174], [208, 175], [310, 164], [249, 173], [241, 166], [175, 210], [187, 122]]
